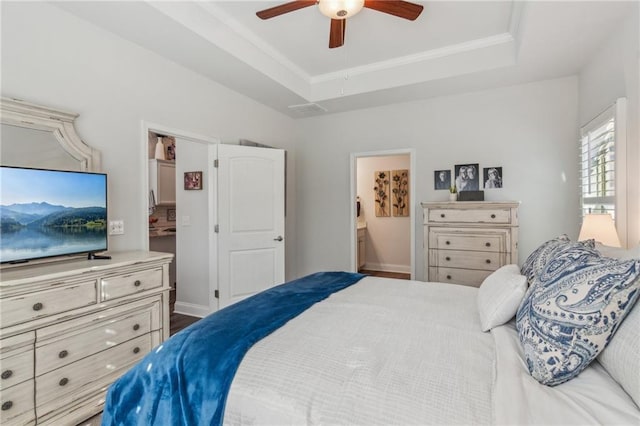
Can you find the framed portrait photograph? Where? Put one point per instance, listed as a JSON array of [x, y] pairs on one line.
[[492, 177], [442, 179], [192, 181], [466, 177]]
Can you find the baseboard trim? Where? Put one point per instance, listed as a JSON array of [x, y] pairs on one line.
[[385, 267], [191, 309]]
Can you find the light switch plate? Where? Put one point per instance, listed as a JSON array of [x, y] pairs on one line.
[[116, 227]]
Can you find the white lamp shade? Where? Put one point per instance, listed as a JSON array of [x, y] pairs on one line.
[[340, 9], [600, 227]]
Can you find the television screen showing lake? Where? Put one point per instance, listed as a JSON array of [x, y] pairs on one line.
[[45, 213]]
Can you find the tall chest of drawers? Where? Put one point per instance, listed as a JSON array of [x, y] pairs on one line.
[[466, 241], [69, 329]]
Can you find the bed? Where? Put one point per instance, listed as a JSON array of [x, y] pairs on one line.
[[371, 351]]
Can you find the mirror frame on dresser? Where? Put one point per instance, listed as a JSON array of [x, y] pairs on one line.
[[16, 112]]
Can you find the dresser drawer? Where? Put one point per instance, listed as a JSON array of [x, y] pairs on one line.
[[487, 261], [19, 309], [93, 339], [84, 373], [123, 285], [469, 239], [499, 216], [17, 404], [469, 277], [17, 367]]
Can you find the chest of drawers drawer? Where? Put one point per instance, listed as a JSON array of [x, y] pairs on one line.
[[124, 285], [16, 403], [469, 277], [499, 216], [19, 309], [485, 240], [487, 261], [16, 367], [99, 336], [88, 371]]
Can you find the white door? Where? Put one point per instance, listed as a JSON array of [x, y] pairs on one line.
[[250, 221]]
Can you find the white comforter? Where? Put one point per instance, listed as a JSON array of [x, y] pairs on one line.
[[398, 352]]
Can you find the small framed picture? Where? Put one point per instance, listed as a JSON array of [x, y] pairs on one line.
[[192, 181], [467, 178], [171, 215], [442, 179], [492, 177]]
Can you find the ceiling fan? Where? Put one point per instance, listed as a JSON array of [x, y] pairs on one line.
[[339, 10]]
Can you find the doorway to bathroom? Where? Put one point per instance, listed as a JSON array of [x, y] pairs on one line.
[[383, 213]]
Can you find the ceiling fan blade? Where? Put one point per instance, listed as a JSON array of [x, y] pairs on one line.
[[399, 8], [284, 8], [336, 34]]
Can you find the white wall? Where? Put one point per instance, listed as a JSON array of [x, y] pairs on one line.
[[388, 243], [55, 59], [612, 73], [193, 296], [530, 130]]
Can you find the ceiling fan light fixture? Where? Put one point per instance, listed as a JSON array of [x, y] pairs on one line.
[[340, 9]]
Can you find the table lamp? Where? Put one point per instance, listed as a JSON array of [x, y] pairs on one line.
[[600, 227]]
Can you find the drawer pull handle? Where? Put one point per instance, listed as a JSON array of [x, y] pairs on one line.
[[63, 381], [7, 373], [37, 306], [447, 242], [137, 283], [447, 258], [493, 216], [63, 354], [136, 327], [7, 405], [448, 277], [441, 214], [487, 244], [136, 350], [488, 261]]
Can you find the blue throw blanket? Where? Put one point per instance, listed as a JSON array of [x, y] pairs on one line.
[[185, 380]]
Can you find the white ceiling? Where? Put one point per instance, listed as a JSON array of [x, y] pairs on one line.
[[453, 47]]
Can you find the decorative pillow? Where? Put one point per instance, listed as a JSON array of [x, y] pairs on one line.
[[621, 358], [500, 295], [540, 256], [575, 306]]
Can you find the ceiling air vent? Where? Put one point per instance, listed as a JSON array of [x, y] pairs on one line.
[[307, 109]]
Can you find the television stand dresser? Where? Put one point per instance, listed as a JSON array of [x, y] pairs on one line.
[[465, 241], [68, 329]]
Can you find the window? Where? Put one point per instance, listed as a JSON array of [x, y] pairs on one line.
[[602, 165], [598, 165]]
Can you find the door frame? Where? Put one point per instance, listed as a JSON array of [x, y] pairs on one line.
[[145, 128], [412, 202]]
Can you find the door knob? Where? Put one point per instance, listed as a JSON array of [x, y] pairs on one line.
[[279, 238]]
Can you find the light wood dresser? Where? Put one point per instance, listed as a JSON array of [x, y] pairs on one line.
[[69, 329], [465, 241]]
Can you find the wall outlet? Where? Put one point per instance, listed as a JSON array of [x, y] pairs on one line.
[[116, 227]]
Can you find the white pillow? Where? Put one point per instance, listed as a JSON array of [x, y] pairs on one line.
[[500, 295], [621, 357], [618, 252]]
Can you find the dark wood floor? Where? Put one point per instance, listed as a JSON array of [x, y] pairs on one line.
[[384, 274], [178, 321]]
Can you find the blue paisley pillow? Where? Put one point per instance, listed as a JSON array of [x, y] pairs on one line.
[[541, 256], [572, 310]]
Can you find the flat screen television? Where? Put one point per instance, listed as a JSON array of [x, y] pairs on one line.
[[47, 213]]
